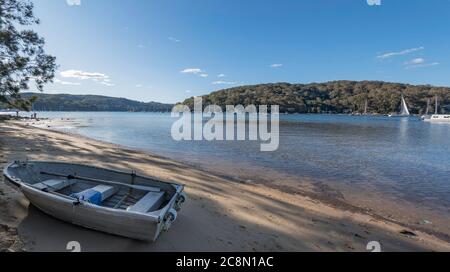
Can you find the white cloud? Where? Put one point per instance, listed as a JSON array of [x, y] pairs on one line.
[[73, 2], [221, 75], [415, 61], [422, 65], [107, 84], [139, 85], [276, 65], [419, 63], [399, 53], [220, 82], [192, 71], [81, 75], [67, 82], [172, 39], [195, 71], [188, 91]]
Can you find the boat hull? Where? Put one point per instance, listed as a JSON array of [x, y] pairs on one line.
[[438, 118], [399, 116], [135, 225]]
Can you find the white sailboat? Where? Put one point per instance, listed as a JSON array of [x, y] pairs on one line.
[[426, 115], [365, 107], [404, 111]]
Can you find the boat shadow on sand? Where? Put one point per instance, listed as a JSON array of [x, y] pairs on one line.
[[45, 233]]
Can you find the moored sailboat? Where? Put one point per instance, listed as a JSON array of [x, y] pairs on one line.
[[436, 117], [404, 111]]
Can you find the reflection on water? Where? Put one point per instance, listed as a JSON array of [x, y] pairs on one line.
[[403, 156]]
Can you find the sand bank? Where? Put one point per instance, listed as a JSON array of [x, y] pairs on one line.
[[222, 214]]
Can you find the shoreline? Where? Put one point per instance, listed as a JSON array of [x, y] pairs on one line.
[[259, 217], [343, 196]]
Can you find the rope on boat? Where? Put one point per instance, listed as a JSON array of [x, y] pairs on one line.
[[137, 187]]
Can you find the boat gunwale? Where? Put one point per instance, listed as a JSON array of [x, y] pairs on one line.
[[157, 215], [100, 168]]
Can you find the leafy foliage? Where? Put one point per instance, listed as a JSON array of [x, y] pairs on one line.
[[66, 102], [22, 56], [330, 97]]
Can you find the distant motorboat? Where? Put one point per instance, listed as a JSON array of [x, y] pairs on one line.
[[436, 118], [404, 111]]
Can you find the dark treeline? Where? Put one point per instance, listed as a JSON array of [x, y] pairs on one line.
[[331, 97], [65, 102]]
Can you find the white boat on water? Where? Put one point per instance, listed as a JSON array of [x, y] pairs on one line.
[[404, 111], [436, 118], [115, 202]]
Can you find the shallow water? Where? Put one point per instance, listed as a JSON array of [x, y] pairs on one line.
[[405, 157]]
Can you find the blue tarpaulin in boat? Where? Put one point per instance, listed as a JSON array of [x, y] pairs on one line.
[[90, 195]]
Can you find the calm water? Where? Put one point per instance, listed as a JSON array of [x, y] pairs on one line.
[[405, 157]]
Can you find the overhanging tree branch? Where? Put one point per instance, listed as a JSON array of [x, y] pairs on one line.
[[22, 57]]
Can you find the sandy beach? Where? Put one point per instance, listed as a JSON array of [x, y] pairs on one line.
[[221, 214]]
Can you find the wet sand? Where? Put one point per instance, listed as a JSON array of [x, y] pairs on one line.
[[221, 214]]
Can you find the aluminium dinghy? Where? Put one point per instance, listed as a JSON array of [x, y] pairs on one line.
[[115, 202]]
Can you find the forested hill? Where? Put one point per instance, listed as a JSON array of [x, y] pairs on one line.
[[332, 97], [66, 102]]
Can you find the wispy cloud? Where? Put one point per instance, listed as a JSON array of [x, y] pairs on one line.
[[82, 75], [419, 63], [221, 75], [172, 39], [195, 71], [67, 82], [221, 82], [107, 84], [276, 65], [191, 71], [422, 65], [400, 53], [415, 61], [139, 85], [73, 2]]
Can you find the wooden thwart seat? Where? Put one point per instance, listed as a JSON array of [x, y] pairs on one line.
[[96, 195], [150, 202], [53, 185]]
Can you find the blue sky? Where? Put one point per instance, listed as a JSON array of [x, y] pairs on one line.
[[169, 50]]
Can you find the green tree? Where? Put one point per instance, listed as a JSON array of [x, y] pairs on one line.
[[332, 97], [22, 56]]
